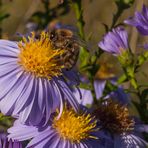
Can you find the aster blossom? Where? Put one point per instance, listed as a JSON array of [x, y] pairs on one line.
[[124, 130], [115, 41], [140, 21], [33, 80], [70, 130]]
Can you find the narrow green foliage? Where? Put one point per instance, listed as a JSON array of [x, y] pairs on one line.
[[123, 78], [142, 58]]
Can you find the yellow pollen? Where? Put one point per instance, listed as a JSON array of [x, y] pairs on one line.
[[75, 127], [39, 57], [114, 117]]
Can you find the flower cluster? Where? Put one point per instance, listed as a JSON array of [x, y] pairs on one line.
[[50, 108]]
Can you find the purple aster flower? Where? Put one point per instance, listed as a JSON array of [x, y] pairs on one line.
[[115, 41], [140, 21], [5, 143], [124, 131], [70, 130], [33, 80]]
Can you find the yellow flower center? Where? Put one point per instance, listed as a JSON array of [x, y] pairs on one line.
[[39, 57], [114, 117], [75, 127]]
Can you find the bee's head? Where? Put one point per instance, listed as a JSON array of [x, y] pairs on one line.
[[52, 34]]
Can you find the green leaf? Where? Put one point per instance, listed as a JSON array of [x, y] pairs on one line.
[[122, 79], [3, 16], [109, 87], [130, 71], [85, 86], [134, 83], [84, 57], [142, 58]]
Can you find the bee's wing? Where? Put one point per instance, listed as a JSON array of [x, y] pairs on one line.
[[81, 42]]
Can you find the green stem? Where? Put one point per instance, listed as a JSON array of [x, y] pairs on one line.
[[143, 108], [116, 17], [77, 5], [93, 91], [47, 12]]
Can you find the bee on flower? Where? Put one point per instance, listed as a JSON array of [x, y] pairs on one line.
[[33, 79]]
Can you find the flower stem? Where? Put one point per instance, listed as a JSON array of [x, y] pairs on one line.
[[77, 5], [93, 91], [116, 17]]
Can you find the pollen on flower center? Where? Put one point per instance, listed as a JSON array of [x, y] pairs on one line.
[[114, 117], [75, 127], [39, 57]]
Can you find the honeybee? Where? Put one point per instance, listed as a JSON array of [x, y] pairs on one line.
[[65, 39]]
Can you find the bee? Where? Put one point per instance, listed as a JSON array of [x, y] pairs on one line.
[[65, 39]]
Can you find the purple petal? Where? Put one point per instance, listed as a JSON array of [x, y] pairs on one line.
[[114, 40], [99, 87], [140, 21], [22, 132]]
